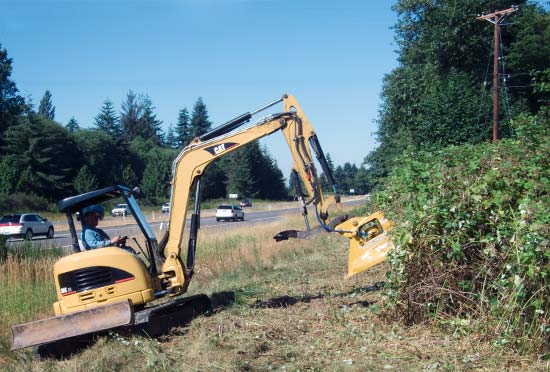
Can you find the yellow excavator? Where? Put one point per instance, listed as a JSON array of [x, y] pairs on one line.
[[113, 288]]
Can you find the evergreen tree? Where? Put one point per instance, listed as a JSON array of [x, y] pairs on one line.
[[199, 119], [46, 108], [323, 178], [72, 126], [269, 178], [184, 132], [132, 111], [107, 121], [149, 125], [156, 176], [11, 103], [361, 182], [214, 181], [129, 177], [103, 155], [45, 156], [251, 172], [10, 174], [170, 139], [85, 180]]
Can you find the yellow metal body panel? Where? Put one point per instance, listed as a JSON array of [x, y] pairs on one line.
[[139, 290], [369, 241]]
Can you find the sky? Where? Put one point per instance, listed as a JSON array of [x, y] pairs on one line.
[[238, 55]]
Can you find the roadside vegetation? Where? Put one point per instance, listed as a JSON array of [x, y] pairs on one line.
[[293, 310], [472, 229]]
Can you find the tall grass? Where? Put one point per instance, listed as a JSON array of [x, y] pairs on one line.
[[26, 285]]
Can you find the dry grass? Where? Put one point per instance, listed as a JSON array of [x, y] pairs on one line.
[[296, 313], [26, 293]]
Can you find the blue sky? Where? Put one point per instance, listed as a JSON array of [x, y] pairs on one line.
[[236, 54]]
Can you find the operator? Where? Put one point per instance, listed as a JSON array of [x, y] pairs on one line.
[[93, 237]]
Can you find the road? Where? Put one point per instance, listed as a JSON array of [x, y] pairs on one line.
[[63, 239]]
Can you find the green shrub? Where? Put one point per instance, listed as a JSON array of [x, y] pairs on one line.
[[472, 234], [20, 202]]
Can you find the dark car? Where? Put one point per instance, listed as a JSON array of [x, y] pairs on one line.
[[246, 203]]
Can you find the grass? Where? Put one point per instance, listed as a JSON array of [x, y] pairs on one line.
[[27, 288], [295, 311]]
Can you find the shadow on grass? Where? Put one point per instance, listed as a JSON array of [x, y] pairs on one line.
[[286, 301], [157, 322]]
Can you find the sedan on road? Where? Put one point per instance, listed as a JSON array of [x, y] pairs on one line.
[[26, 226]]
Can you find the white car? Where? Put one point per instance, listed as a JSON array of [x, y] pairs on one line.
[[121, 210], [26, 226], [229, 212], [165, 208]]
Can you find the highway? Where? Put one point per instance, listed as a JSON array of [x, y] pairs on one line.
[[158, 225]]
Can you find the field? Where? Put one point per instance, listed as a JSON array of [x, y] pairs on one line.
[[294, 311]]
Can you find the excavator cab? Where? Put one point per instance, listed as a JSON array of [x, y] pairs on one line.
[[83, 279]]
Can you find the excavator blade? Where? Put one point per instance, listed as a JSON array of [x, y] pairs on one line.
[[365, 256], [65, 326]]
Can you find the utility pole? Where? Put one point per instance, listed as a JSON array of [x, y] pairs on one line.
[[496, 18]]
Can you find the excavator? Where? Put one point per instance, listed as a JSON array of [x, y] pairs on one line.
[[111, 288]]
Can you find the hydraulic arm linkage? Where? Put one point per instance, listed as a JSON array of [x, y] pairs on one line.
[[188, 169], [189, 166]]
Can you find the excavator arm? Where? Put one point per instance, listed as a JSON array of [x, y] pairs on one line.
[[188, 169]]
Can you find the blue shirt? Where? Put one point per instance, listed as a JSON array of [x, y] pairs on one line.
[[93, 238]]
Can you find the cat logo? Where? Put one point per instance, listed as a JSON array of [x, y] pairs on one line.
[[222, 147]]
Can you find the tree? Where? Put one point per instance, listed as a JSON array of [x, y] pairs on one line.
[[72, 126], [251, 172], [10, 174], [214, 181], [199, 119], [156, 176], [269, 178], [46, 108], [103, 156], [323, 179], [11, 103], [129, 177], [184, 132], [437, 97], [361, 182], [107, 121], [45, 155], [85, 180], [132, 111], [170, 138], [148, 124]]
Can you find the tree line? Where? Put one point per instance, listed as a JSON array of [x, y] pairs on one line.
[[441, 92], [44, 160]]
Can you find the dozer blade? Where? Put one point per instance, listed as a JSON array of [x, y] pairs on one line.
[[65, 326], [373, 252]]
